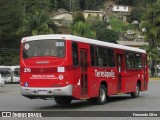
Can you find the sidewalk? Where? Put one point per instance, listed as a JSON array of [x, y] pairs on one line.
[[154, 78]]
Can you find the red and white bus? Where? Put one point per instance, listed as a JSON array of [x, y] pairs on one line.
[[67, 67]]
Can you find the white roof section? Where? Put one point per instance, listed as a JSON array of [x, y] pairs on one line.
[[10, 67], [4, 66], [81, 39], [13, 67], [92, 11], [132, 43], [118, 8]]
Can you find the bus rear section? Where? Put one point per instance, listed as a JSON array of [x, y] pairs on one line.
[[45, 68]]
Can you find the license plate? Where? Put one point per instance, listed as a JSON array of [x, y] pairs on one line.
[[42, 92]]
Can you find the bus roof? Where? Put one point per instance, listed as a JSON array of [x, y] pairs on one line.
[[81, 39]]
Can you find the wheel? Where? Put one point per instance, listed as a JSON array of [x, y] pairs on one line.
[[102, 98], [63, 100], [136, 93]]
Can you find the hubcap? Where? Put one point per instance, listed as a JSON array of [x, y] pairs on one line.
[[102, 95], [137, 90]]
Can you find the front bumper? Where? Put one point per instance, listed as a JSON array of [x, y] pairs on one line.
[[48, 92]]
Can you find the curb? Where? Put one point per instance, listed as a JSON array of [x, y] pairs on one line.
[[154, 78]]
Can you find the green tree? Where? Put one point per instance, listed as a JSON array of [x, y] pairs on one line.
[[107, 35], [75, 5], [118, 25], [38, 23], [135, 2], [151, 22], [80, 27], [152, 53], [35, 19], [93, 4], [10, 21], [83, 29], [104, 34], [78, 17], [54, 4], [31, 6], [147, 2], [128, 2], [136, 14]]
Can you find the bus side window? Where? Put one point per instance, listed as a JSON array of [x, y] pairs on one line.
[[101, 60], [96, 56], [75, 54], [110, 57], [103, 55], [92, 55], [130, 59], [138, 60]]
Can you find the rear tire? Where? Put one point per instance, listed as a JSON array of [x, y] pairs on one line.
[[136, 93], [102, 98], [63, 100]]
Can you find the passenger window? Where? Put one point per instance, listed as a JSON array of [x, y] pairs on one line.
[[101, 57], [130, 59], [75, 54], [110, 57], [138, 60], [92, 55]]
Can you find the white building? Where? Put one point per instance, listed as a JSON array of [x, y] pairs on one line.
[[63, 18], [118, 8], [92, 13]]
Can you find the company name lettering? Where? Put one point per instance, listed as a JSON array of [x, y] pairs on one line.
[[104, 74], [43, 77]]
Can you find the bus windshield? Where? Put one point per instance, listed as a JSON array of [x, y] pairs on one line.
[[5, 72], [16, 72], [39, 48]]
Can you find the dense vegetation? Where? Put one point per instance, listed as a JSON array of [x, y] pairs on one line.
[[21, 18]]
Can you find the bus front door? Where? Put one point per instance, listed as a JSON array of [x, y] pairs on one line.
[[84, 75], [119, 69]]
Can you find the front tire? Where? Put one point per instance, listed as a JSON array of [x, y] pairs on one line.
[[136, 93]]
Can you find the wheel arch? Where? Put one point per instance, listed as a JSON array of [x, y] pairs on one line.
[[103, 82], [139, 83]]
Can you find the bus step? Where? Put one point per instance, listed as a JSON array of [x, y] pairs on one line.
[[84, 98], [120, 93]]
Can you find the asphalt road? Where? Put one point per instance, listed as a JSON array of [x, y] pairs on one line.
[[11, 100]]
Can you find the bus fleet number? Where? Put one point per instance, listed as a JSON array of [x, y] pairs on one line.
[[27, 70], [59, 44]]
